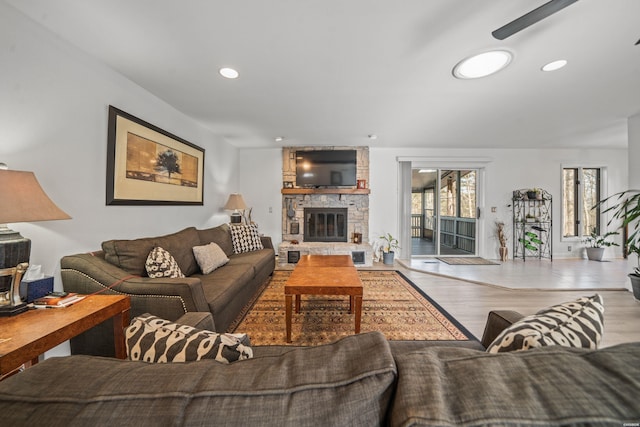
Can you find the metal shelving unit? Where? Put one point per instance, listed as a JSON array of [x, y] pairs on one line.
[[532, 224]]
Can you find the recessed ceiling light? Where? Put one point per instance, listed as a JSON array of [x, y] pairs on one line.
[[279, 138], [372, 136], [229, 73], [555, 65], [482, 65]]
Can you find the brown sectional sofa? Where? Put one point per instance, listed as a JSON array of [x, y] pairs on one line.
[[361, 380], [120, 268]]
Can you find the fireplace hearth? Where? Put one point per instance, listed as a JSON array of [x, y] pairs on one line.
[[325, 224]]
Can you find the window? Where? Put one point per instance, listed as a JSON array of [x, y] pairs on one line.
[[580, 193], [458, 194]]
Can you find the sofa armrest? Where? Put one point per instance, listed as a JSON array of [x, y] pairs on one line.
[[266, 242], [198, 320], [166, 298], [498, 321]]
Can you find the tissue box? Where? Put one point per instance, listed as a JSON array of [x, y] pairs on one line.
[[35, 288]]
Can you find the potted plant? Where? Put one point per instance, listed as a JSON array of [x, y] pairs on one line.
[[626, 207], [390, 243], [534, 194], [597, 244]]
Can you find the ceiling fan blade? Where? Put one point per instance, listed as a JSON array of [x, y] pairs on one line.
[[637, 43], [531, 18]]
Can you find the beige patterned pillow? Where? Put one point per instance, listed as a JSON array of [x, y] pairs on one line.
[[210, 257], [151, 339], [160, 263]]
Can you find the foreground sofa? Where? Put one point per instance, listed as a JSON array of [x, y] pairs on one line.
[[119, 268], [361, 380]]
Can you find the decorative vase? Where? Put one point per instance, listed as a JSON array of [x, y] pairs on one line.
[[387, 257], [635, 285], [595, 254], [504, 253]]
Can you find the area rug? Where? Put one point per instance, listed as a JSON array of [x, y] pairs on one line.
[[391, 304], [466, 261]]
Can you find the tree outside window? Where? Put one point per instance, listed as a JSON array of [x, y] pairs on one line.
[[580, 193]]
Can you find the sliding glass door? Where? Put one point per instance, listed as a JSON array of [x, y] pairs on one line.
[[443, 211]]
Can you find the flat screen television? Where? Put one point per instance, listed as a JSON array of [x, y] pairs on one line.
[[326, 168]]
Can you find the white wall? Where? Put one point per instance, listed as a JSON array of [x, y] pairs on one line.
[[53, 121], [260, 185], [505, 171]]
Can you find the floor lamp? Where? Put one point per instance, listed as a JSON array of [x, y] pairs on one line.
[[23, 200]]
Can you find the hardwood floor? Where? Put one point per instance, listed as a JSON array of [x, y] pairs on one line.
[[469, 300]]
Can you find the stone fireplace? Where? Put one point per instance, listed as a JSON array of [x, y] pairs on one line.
[[325, 220]]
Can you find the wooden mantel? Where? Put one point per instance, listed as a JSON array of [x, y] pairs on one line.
[[326, 191]]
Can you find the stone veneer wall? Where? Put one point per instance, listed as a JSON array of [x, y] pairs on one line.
[[356, 204]]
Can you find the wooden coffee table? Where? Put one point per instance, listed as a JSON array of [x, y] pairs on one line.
[[26, 336], [324, 275]]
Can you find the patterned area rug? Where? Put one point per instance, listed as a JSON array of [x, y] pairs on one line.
[[391, 305], [466, 261]]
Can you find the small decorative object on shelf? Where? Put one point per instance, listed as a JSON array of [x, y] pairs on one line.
[[532, 224]]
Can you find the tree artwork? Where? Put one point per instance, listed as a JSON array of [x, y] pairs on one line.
[[168, 161]]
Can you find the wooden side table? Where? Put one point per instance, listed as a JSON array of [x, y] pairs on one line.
[[26, 336]]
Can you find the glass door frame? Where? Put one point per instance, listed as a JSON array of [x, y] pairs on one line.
[[479, 165]]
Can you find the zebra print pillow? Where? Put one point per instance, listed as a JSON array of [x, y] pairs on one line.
[[578, 323], [152, 339]]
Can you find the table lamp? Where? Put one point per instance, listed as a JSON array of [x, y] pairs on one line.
[[235, 203], [23, 200]]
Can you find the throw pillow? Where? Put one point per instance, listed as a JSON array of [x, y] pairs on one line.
[[210, 257], [160, 263], [245, 238], [577, 323], [152, 339]]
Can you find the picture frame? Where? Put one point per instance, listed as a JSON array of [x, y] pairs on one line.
[[147, 165], [287, 184], [362, 183]]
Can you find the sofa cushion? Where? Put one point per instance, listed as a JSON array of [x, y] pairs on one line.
[[572, 324], [210, 257], [223, 285], [245, 238], [259, 259], [547, 386], [160, 263], [330, 385], [220, 235], [130, 255], [152, 339]]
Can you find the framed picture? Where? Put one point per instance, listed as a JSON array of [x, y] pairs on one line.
[[149, 166], [287, 184], [362, 183]]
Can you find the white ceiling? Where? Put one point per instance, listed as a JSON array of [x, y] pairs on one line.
[[330, 72]]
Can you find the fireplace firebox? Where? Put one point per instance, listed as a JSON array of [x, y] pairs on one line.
[[325, 224]]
